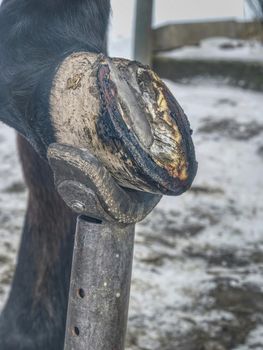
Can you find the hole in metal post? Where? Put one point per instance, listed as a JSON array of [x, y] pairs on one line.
[[76, 331], [89, 219], [81, 293]]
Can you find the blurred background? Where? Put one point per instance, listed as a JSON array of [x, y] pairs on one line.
[[198, 268]]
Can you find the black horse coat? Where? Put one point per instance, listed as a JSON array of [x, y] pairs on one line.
[[35, 36]]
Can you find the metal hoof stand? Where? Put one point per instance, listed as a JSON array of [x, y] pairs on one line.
[[100, 286], [147, 146], [103, 251]]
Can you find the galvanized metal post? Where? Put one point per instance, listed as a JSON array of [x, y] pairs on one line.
[[143, 31], [100, 286]]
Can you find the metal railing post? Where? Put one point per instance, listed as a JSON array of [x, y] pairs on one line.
[[143, 31]]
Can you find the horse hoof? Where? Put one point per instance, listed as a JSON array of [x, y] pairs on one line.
[[124, 114]]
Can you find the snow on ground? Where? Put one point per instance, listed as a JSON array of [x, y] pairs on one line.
[[220, 49], [198, 269], [12, 207], [199, 258]]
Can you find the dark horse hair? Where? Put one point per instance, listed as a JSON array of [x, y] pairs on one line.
[[35, 36]]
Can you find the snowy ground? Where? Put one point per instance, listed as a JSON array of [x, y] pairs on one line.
[[220, 49], [198, 269]]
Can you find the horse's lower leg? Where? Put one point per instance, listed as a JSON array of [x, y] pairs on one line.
[[35, 314]]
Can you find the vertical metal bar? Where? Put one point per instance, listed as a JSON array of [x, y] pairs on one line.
[[100, 286], [143, 31]]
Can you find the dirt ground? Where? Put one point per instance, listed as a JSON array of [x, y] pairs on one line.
[[198, 268]]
